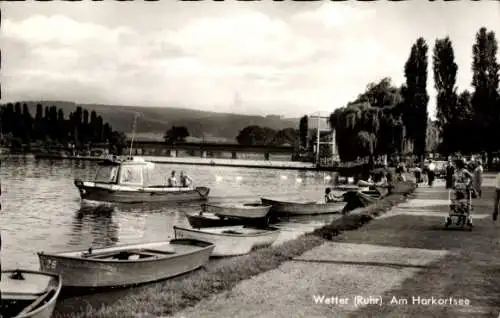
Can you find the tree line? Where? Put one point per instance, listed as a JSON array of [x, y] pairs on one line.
[[265, 136], [49, 126], [386, 119], [253, 135]]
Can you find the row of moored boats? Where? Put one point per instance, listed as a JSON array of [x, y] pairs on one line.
[[218, 230]]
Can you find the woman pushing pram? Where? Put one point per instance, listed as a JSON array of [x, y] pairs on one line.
[[461, 196]]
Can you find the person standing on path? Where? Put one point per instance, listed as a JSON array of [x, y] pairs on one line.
[[431, 173], [478, 177], [497, 197], [418, 174], [450, 171], [425, 169]]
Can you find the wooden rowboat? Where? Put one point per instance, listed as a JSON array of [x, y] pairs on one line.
[[281, 208], [243, 211], [29, 293], [202, 220], [134, 181], [128, 264], [231, 240]]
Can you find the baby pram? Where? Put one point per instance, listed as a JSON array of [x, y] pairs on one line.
[[460, 207]]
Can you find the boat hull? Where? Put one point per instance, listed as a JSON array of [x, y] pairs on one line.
[[78, 272], [106, 193], [230, 244], [14, 294], [282, 208], [242, 211], [202, 221]]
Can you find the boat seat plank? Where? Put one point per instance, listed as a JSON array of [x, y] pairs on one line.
[[232, 232], [17, 296], [148, 252]]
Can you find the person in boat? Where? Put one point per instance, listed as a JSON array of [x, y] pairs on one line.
[[172, 181], [185, 180], [112, 175], [331, 197]]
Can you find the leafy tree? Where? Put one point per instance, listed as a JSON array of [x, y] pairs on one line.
[[27, 124], [445, 76], [433, 136], [415, 96], [176, 134], [287, 136], [117, 142], [256, 135], [39, 127], [94, 136], [303, 131], [50, 126], [459, 131], [18, 127], [366, 130], [85, 127], [485, 79], [380, 94]]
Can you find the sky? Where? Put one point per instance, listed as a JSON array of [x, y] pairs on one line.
[[262, 57]]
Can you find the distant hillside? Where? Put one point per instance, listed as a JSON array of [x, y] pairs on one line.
[[154, 121]]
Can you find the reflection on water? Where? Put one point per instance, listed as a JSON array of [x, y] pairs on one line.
[[94, 227], [41, 210]]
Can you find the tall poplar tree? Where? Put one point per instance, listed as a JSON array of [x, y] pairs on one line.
[[303, 129], [445, 76], [485, 70], [415, 96]]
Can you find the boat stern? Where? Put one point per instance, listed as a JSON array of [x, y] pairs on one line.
[[203, 192], [80, 186]]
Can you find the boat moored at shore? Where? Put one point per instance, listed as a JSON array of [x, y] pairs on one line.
[[128, 264], [242, 210], [203, 220], [134, 181], [29, 294], [231, 240], [284, 208]]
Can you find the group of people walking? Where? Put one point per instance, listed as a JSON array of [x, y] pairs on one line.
[[426, 172]]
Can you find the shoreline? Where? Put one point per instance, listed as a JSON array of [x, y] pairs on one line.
[[171, 296], [215, 162]]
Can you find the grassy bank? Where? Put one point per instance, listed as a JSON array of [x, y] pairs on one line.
[[174, 295]]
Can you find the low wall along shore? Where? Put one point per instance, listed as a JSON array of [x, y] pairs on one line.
[[231, 162]]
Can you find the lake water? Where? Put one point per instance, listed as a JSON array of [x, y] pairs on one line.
[[41, 209]]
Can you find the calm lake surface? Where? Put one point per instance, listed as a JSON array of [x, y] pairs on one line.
[[41, 209]]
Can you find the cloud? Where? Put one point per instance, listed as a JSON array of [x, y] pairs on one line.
[[319, 58], [59, 29], [335, 15], [247, 37]]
